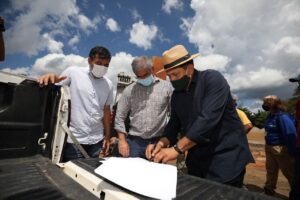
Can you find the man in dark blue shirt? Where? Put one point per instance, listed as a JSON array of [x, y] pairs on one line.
[[203, 112]]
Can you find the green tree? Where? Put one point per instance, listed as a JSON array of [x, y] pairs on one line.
[[259, 118]]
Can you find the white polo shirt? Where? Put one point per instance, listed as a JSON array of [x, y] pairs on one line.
[[89, 95]]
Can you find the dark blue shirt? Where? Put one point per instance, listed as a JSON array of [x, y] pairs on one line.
[[281, 130], [206, 115]]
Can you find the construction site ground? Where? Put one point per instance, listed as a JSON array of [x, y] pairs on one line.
[[256, 172]]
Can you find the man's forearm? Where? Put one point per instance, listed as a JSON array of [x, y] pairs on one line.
[[163, 142], [185, 144], [106, 123], [121, 136]]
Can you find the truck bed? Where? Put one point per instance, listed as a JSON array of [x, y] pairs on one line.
[[188, 187], [37, 178]]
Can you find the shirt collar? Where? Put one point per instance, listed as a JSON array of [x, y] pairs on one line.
[[156, 79]]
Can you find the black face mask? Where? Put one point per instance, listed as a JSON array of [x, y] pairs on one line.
[[181, 84], [265, 107]]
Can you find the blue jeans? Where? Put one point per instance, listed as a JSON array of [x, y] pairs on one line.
[[295, 188], [138, 145], [71, 152]]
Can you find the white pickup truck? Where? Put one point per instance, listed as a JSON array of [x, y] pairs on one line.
[[32, 136]]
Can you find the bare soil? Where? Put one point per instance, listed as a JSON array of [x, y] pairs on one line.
[[256, 173]]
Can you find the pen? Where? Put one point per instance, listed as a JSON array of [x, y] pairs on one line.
[[152, 151]]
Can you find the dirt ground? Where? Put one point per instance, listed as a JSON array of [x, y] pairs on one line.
[[256, 173]]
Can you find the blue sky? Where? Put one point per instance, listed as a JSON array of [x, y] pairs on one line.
[[256, 44]]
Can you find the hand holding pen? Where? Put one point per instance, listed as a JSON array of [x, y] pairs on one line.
[[152, 150]]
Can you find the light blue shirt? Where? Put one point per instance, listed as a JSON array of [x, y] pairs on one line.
[[89, 95]]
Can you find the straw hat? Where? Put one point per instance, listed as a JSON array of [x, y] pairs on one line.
[[176, 56]]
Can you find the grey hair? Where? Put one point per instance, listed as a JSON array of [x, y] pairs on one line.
[[142, 62]]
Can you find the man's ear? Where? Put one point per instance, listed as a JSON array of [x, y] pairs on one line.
[[190, 69]]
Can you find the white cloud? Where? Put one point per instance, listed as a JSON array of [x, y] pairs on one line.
[[172, 4], [20, 70], [87, 24], [257, 42], [142, 34], [287, 45], [74, 40], [52, 45], [212, 61], [255, 79], [56, 63], [101, 5], [112, 25], [36, 18], [121, 62], [135, 14]]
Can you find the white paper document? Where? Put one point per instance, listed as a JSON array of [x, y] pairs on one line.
[[141, 176]]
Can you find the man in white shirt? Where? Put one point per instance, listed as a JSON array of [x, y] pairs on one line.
[[91, 98]]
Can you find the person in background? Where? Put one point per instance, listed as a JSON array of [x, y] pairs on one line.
[[243, 117], [146, 102], [202, 110], [91, 99], [2, 48], [295, 189], [280, 143]]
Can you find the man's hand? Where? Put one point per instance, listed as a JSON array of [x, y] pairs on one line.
[[123, 148], [51, 77], [152, 150], [165, 155], [105, 148]]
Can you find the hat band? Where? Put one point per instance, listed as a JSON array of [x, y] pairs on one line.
[[187, 56]]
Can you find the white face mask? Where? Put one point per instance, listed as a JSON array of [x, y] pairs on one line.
[[99, 71]]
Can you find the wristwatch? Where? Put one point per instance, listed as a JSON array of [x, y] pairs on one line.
[[180, 151]]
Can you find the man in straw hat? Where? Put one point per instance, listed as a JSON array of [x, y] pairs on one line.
[[202, 110]]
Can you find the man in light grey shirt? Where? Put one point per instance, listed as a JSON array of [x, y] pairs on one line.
[[91, 99], [146, 102]]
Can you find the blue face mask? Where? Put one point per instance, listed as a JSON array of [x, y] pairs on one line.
[[146, 81]]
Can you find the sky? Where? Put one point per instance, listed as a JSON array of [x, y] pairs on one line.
[[255, 44]]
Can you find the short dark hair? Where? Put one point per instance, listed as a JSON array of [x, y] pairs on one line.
[[101, 51]]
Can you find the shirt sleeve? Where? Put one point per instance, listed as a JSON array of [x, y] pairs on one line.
[[173, 126], [110, 98], [123, 108], [290, 134], [243, 117], [217, 93], [67, 72]]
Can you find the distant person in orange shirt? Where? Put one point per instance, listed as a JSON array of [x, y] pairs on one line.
[[2, 49], [242, 115]]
